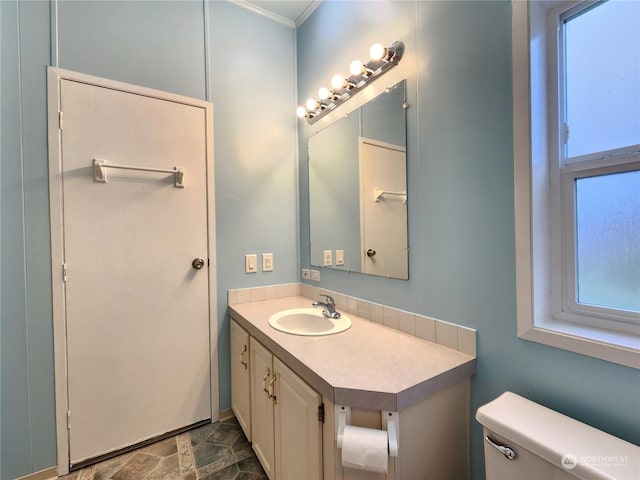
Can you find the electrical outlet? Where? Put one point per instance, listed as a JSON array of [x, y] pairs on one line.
[[339, 257], [251, 263], [315, 275], [327, 256], [306, 274], [267, 262]]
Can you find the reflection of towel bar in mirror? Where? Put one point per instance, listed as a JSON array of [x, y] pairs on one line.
[[100, 174], [379, 192]]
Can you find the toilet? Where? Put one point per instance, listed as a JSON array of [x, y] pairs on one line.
[[524, 440]]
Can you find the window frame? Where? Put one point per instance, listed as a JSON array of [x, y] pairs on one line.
[[566, 307], [566, 170], [544, 252]]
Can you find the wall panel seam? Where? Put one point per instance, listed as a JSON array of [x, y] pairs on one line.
[[207, 51], [24, 231], [53, 16]]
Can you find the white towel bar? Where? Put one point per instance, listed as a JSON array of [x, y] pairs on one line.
[[100, 174], [379, 192]]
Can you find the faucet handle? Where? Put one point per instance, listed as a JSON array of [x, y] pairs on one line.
[[329, 299]]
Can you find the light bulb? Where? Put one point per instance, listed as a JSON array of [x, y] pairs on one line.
[[337, 81], [311, 104], [377, 51], [356, 67], [301, 112], [323, 93]]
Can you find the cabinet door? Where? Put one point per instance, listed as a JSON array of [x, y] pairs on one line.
[[240, 378], [262, 434], [298, 431]]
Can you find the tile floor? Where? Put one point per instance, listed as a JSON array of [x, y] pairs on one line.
[[218, 451]]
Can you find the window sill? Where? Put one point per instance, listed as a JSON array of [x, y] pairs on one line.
[[615, 347]]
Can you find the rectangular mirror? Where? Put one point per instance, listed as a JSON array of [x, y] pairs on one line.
[[358, 189]]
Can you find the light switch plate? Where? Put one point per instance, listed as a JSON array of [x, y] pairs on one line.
[[339, 257], [315, 275], [267, 262], [327, 256], [251, 263]]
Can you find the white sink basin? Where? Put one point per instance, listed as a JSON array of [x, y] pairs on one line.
[[308, 321]]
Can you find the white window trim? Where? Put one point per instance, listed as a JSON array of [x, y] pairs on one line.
[[533, 293]]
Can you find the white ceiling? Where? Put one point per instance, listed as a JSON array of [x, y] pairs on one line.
[[290, 12]]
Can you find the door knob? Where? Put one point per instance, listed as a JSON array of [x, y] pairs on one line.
[[197, 263], [371, 253]]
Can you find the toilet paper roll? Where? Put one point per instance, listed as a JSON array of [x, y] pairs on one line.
[[365, 449]]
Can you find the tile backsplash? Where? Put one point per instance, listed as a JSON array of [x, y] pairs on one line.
[[257, 294], [433, 330]]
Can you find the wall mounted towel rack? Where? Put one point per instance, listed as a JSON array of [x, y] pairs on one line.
[[100, 173], [379, 192]]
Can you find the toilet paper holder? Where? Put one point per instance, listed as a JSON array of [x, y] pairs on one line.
[[390, 421]]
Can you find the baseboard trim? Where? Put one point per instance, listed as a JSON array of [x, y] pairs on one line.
[[226, 414], [48, 474]]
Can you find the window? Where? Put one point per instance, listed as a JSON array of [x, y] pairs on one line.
[[607, 242], [599, 118], [577, 175]]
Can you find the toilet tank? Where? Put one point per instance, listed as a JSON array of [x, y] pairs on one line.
[[547, 445]]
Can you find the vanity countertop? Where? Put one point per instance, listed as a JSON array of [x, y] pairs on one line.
[[367, 366]]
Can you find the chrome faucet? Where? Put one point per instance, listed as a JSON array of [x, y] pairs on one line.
[[328, 307]]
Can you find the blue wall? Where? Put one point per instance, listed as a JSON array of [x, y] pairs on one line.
[[178, 46], [461, 212], [253, 82], [459, 169]]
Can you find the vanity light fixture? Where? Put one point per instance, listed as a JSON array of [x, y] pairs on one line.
[[357, 68], [382, 59]]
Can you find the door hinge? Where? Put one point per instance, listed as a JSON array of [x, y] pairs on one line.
[[60, 120], [68, 419], [64, 272], [321, 413]]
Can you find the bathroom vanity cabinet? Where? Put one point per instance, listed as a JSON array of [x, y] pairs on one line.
[[298, 384], [276, 409], [286, 430]]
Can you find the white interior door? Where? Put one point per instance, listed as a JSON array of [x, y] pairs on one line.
[[137, 311], [383, 209]]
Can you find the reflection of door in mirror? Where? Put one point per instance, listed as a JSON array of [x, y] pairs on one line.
[[383, 209]]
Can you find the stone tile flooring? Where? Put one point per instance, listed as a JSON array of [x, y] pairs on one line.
[[218, 451]]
